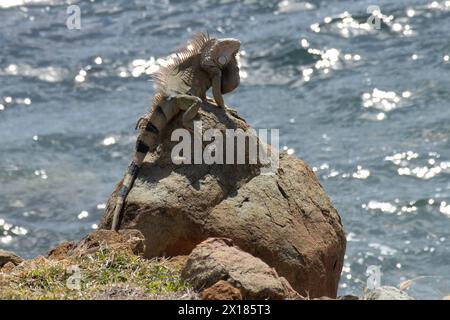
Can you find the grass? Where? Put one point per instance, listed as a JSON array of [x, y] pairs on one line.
[[106, 274]]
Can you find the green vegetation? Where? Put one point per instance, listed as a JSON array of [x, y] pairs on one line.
[[106, 274]]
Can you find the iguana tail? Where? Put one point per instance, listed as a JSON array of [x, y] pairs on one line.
[[147, 141]]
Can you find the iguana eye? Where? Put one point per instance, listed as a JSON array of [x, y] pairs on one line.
[[222, 60]]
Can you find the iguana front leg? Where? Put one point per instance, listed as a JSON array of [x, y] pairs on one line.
[[190, 105], [189, 116], [217, 90], [215, 76]]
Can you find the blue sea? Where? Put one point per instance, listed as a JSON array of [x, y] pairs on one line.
[[360, 93]]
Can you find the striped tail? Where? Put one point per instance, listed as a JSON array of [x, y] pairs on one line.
[[145, 142]]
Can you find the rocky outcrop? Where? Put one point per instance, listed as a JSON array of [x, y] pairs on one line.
[[62, 250], [217, 259], [8, 267], [387, 293], [285, 219], [221, 290], [128, 239], [9, 257]]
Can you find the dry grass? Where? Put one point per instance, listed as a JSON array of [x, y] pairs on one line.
[[106, 274]]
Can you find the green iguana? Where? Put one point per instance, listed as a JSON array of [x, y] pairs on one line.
[[203, 63]]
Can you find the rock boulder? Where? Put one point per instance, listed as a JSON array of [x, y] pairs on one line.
[[221, 290], [285, 219], [217, 259], [8, 256]]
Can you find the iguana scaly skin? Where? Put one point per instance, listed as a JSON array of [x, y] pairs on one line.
[[181, 87]]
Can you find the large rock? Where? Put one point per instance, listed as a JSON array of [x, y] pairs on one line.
[[285, 219], [217, 259]]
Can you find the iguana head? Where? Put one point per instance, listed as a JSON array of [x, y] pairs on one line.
[[218, 59]]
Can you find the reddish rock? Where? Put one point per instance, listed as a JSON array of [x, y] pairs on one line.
[[221, 290], [8, 267], [217, 259], [62, 251], [177, 262], [127, 239]]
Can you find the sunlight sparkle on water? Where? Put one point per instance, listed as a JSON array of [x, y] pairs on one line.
[[345, 25], [47, 73], [385, 250], [329, 59], [361, 173], [288, 150], [109, 141], [287, 6], [315, 27], [6, 239], [439, 5], [382, 206], [80, 78], [101, 206], [445, 208], [398, 157], [19, 231], [141, 67], [83, 214], [428, 171], [41, 173], [98, 60], [16, 3], [304, 43], [383, 100], [410, 13]]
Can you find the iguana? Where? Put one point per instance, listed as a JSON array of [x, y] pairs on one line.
[[181, 86]]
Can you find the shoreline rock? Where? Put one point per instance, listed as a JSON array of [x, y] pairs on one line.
[[8, 259], [386, 293], [217, 259], [248, 235], [241, 275], [285, 219]]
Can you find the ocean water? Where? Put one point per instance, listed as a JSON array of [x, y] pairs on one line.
[[367, 108]]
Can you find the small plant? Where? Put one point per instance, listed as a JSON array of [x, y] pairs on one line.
[[102, 272]]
